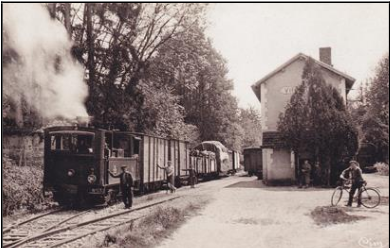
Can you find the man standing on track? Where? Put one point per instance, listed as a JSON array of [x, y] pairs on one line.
[[169, 169], [354, 174], [126, 184]]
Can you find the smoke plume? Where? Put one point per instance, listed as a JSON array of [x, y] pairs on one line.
[[39, 68]]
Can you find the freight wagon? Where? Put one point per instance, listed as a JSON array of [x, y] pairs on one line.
[[253, 162], [235, 160], [228, 161]]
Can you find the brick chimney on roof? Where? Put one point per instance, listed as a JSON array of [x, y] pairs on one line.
[[326, 55]]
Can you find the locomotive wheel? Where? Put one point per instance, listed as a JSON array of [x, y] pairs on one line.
[[110, 197], [62, 201], [81, 200], [177, 182]]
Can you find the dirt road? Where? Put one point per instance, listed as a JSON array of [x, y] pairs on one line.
[[248, 214]]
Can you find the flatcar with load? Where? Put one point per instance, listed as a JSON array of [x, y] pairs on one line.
[[228, 161]]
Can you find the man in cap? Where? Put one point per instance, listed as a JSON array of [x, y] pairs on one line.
[[169, 170], [354, 174], [126, 185]]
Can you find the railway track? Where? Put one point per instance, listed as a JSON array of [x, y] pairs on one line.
[[53, 229], [24, 222], [59, 228]]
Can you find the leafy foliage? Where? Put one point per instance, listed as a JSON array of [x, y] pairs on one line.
[[375, 123], [150, 68], [197, 74], [18, 192], [250, 121], [316, 121]]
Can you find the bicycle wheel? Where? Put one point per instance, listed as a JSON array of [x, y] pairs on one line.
[[336, 196], [370, 198]]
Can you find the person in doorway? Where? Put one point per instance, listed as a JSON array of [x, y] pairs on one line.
[[305, 174], [354, 174], [169, 170], [107, 151], [126, 185]]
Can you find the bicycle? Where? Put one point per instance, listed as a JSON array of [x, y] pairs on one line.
[[370, 196]]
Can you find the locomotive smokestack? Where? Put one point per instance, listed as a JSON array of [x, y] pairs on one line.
[[84, 121]]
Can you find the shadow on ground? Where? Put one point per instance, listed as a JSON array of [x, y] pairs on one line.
[[326, 215], [259, 184]]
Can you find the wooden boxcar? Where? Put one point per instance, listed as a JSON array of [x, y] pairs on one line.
[[204, 163], [253, 161], [235, 160]]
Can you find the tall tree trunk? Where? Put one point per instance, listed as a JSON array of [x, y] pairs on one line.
[[91, 60], [52, 9], [67, 18]]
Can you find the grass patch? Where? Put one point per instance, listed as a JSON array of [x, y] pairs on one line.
[[384, 200], [151, 229], [332, 215]]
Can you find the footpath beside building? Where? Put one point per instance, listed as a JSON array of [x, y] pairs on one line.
[[274, 91]]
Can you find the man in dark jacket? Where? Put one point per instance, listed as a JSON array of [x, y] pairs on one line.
[[305, 174], [126, 185], [354, 174]]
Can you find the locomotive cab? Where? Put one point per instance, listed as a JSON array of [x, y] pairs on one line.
[[71, 156], [77, 160]]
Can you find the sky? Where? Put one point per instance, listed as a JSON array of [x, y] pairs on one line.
[[256, 38]]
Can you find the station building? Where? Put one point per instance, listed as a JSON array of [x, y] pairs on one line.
[[280, 166]]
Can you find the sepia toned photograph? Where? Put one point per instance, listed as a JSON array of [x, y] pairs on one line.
[[196, 125]]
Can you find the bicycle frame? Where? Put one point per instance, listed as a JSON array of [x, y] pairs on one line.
[[361, 190]]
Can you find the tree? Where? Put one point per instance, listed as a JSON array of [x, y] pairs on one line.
[[316, 121], [250, 121], [375, 124], [150, 68], [197, 72], [117, 42]]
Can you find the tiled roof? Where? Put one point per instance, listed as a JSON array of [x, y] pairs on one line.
[[348, 79]]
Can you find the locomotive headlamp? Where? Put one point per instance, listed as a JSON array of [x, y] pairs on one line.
[[71, 172], [91, 179]]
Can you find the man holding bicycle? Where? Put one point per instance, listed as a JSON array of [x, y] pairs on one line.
[[354, 174]]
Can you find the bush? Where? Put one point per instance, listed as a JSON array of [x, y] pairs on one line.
[[382, 168], [22, 187]]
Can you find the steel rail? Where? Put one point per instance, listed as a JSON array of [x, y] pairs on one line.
[[74, 226], [92, 232], [5, 230]]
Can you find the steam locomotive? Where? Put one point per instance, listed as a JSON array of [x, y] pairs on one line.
[[77, 160]]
